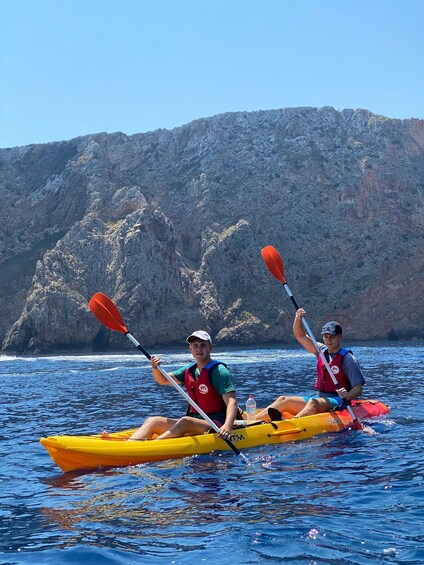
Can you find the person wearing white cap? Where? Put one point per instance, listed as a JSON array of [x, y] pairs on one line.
[[208, 382], [329, 397]]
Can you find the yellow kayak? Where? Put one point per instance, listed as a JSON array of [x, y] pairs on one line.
[[72, 453]]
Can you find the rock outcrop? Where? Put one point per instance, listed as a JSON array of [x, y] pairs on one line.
[[170, 225]]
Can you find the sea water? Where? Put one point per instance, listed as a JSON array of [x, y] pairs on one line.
[[347, 497]]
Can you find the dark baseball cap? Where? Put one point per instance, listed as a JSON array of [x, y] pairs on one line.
[[332, 328]]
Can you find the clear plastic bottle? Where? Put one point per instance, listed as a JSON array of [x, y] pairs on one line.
[[250, 408]]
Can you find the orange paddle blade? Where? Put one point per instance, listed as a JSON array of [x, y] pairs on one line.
[[274, 262], [107, 313]]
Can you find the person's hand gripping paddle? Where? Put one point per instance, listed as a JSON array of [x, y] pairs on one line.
[[275, 265], [108, 314]]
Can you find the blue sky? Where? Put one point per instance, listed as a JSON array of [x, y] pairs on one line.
[[75, 67]]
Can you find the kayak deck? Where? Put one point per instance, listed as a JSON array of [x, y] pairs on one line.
[[72, 453]]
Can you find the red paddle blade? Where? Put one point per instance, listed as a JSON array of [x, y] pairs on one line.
[[357, 425], [107, 313], [274, 262]]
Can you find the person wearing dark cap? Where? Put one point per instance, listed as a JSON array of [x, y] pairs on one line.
[[208, 382], [328, 397]]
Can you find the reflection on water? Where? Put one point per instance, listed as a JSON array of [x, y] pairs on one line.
[[342, 497]]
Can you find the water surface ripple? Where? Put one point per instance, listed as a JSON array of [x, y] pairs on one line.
[[351, 498]]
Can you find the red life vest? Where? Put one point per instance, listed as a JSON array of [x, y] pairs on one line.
[[201, 390], [324, 382]]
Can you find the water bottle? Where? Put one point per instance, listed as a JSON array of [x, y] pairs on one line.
[[250, 408]]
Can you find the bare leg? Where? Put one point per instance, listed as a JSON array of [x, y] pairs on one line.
[[292, 404], [186, 426], [153, 425], [314, 406]]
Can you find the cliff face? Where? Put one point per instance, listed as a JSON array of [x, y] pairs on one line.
[[170, 225]]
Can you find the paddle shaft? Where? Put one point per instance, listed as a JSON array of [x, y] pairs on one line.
[[319, 350], [184, 394]]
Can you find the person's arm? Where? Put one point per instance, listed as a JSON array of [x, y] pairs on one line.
[[353, 393], [300, 334], [159, 378], [354, 374], [223, 383], [230, 400]]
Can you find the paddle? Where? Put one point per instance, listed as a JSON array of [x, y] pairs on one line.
[[108, 314], [275, 265]]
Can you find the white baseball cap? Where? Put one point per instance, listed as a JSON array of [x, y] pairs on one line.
[[199, 335]]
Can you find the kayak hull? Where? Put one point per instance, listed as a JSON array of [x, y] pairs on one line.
[[73, 453]]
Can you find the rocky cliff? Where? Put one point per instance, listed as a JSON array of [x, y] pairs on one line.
[[170, 225]]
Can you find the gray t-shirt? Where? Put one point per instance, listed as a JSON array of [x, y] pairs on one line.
[[352, 370]]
